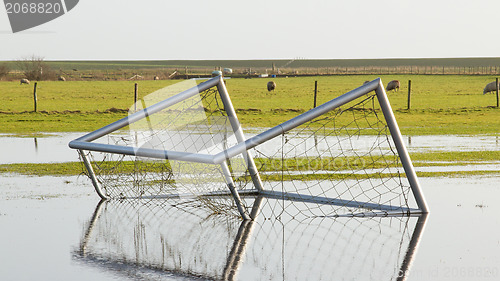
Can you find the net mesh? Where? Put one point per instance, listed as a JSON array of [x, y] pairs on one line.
[[197, 124], [341, 163], [345, 159]]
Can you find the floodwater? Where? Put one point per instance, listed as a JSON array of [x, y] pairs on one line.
[[48, 148], [55, 228], [52, 148]]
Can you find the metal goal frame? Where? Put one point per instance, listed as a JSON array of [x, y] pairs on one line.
[[85, 143]]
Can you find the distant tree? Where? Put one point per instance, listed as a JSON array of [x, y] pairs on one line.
[[4, 70], [35, 68]]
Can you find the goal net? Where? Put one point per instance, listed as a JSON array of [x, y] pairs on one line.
[[343, 158]]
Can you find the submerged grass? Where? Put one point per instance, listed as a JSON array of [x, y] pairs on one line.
[[457, 157], [341, 165], [345, 176], [74, 168], [470, 121], [45, 169], [33, 123]]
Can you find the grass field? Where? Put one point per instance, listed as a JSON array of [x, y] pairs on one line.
[[440, 104]]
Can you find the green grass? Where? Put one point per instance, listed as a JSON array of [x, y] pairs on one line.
[[428, 91], [84, 96], [440, 104]]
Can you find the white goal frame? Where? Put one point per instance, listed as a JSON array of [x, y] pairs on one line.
[[85, 143]]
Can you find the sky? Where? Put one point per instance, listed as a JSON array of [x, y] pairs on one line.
[[258, 29]]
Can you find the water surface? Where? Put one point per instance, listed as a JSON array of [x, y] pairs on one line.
[[54, 147], [53, 228]]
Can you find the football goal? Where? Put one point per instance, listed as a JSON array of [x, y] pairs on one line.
[[345, 157]]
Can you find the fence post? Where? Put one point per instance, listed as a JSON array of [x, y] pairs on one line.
[[496, 87], [409, 94], [35, 99], [316, 92], [135, 97]]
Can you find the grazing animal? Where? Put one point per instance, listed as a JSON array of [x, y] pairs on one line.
[[271, 86], [25, 81], [216, 73], [393, 85], [490, 87], [61, 78], [156, 78]]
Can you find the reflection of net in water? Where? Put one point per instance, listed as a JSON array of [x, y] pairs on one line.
[[161, 235], [327, 170], [179, 236], [368, 248]]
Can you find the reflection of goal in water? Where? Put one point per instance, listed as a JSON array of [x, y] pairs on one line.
[[180, 239], [191, 143]]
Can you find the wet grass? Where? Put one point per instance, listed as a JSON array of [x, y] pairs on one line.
[[457, 157], [346, 176], [342, 165], [485, 121], [30, 123], [72, 169], [46, 169]]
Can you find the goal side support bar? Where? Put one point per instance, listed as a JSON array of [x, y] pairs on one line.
[[238, 132], [401, 148]]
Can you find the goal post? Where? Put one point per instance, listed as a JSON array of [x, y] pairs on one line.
[[402, 151], [198, 128]]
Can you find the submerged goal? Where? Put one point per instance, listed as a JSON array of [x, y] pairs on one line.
[[345, 157]]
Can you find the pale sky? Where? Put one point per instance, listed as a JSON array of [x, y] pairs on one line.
[[258, 29]]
